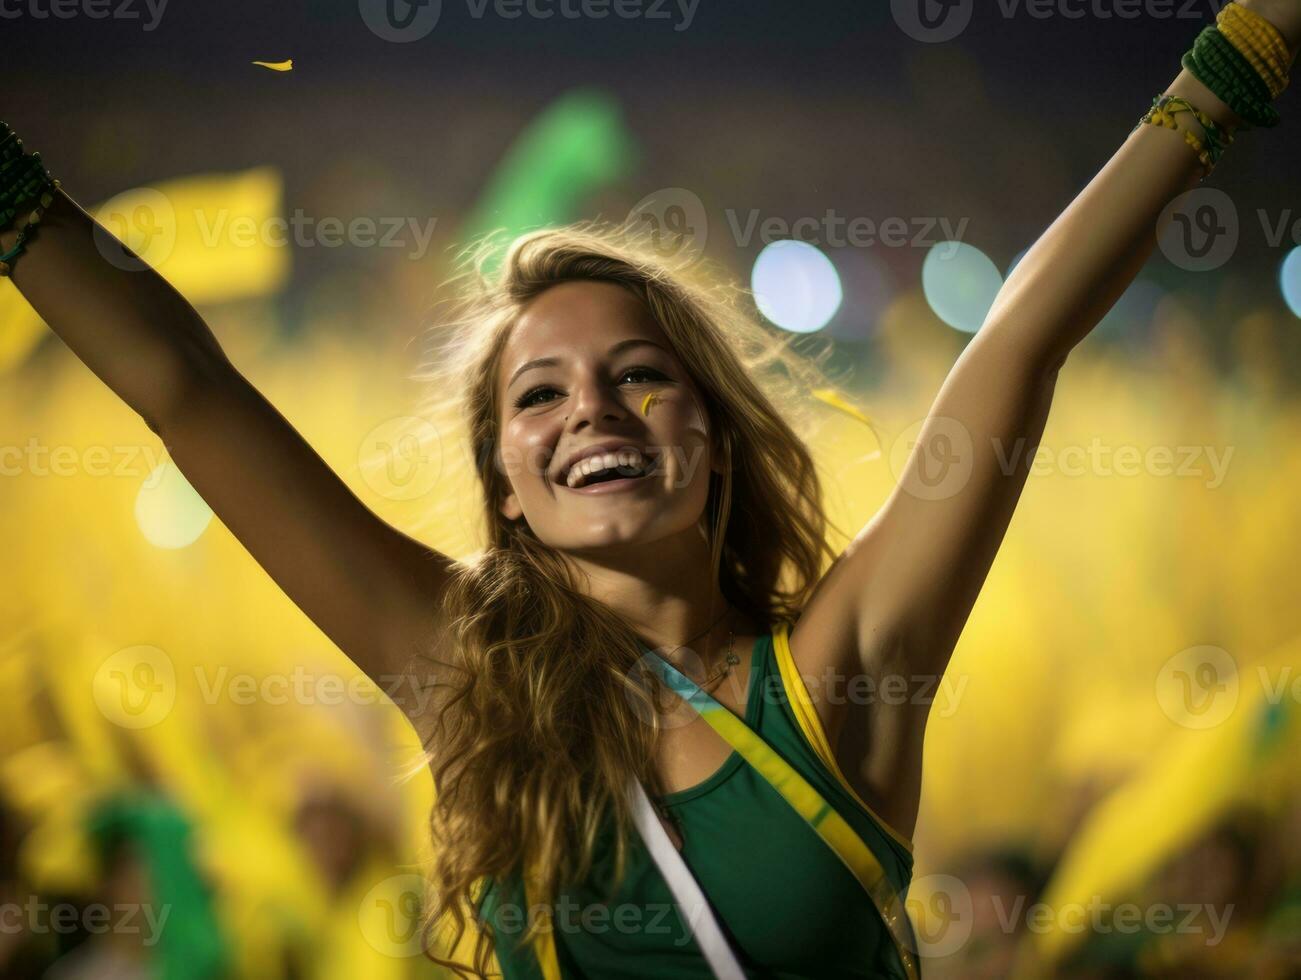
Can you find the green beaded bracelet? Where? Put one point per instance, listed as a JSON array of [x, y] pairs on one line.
[[1241, 80], [20, 244], [1222, 68], [25, 185]]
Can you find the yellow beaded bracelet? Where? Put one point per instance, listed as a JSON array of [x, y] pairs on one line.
[[1260, 42], [1164, 113]]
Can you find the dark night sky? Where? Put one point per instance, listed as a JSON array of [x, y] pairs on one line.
[[811, 43], [792, 107]]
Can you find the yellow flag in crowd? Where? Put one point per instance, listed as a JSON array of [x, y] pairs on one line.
[[215, 237]]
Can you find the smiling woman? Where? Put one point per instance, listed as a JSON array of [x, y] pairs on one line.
[[640, 486], [620, 722], [582, 409]]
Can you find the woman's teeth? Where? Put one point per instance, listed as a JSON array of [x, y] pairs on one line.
[[626, 459]]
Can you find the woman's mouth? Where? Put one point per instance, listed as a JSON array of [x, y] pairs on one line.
[[611, 472], [611, 486]]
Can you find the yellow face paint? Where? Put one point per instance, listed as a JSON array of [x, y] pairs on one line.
[[647, 402], [277, 65]]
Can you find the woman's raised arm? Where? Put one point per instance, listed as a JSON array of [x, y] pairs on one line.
[[915, 570], [371, 589], [896, 602]]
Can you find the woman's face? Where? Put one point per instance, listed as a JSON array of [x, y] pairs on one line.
[[574, 375]]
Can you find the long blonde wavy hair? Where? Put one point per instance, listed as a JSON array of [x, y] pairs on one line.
[[534, 747]]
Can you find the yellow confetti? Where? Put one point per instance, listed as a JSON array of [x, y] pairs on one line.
[[835, 401], [833, 398], [647, 402], [277, 65]]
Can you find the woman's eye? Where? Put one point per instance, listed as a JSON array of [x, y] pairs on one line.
[[528, 398], [532, 396], [645, 372]]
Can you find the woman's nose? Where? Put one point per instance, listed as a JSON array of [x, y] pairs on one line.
[[593, 401]]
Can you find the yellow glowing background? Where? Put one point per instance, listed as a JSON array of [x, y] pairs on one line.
[[144, 647]]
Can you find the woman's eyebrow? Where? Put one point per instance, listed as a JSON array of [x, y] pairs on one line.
[[539, 362]]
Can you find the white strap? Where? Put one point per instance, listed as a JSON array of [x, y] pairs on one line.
[[686, 890]]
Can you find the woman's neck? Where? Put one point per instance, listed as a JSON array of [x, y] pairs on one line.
[[667, 593]]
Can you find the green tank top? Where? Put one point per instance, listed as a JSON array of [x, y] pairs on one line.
[[789, 907]]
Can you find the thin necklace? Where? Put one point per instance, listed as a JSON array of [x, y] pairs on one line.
[[731, 660], [721, 617]]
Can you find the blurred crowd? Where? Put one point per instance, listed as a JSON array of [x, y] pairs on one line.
[[194, 783]]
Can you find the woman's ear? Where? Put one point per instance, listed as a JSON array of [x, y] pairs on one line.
[[510, 508]]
